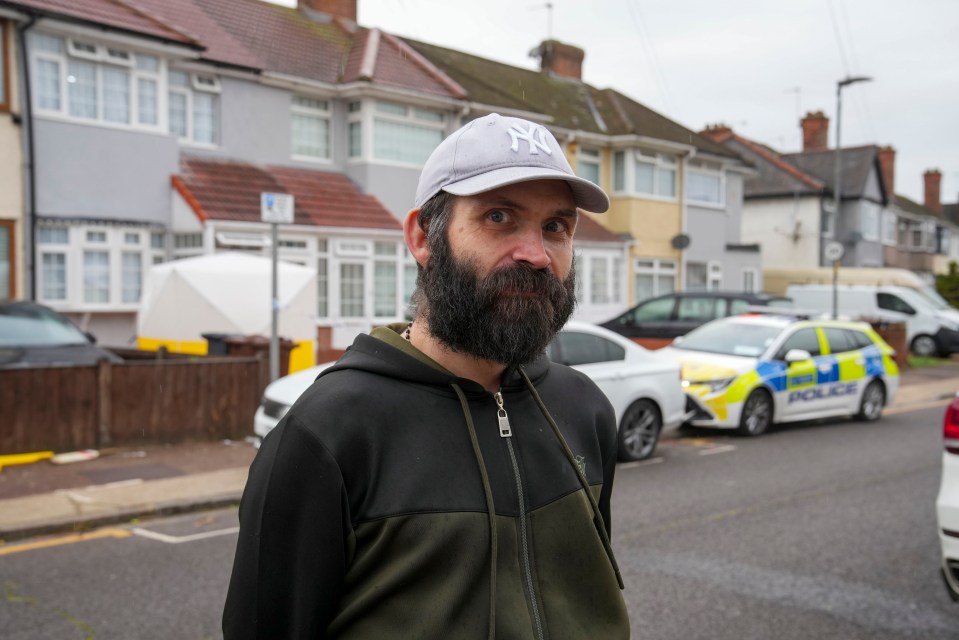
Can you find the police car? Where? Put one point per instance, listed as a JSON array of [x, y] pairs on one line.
[[749, 371]]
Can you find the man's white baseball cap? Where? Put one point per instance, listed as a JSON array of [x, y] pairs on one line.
[[495, 151]]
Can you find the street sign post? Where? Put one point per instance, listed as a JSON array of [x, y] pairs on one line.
[[277, 209], [834, 251]]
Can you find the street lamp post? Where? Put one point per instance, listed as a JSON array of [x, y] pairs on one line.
[[837, 189]]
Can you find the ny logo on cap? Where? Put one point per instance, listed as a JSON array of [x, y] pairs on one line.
[[530, 135]]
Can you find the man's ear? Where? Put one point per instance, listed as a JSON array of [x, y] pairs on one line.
[[415, 237]]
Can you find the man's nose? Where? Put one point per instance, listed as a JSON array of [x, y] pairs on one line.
[[531, 249]]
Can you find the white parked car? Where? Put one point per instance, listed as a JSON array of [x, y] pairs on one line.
[[947, 504], [643, 386]]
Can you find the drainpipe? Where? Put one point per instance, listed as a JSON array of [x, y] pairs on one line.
[[26, 110], [684, 216]]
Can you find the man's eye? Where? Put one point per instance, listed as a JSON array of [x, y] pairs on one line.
[[555, 226], [497, 216]]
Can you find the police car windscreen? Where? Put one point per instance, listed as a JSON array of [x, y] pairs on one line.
[[730, 338]]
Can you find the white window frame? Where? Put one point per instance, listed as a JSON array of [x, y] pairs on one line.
[[750, 278], [365, 311], [870, 221], [657, 269], [187, 245], [600, 279], [929, 229], [714, 275], [73, 242], [943, 240], [103, 57], [590, 157], [707, 170], [54, 248], [373, 111], [354, 109], [889, 228], [197, 83], [314, 112], [657, 161]]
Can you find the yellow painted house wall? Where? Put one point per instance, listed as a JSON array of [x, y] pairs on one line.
[[652, 223]]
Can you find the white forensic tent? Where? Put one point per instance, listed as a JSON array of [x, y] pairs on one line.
[[227, 293]]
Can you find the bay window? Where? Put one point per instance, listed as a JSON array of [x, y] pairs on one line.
[[644, 173], [352, 288], [406, 134], [589, 164], [84, 80]]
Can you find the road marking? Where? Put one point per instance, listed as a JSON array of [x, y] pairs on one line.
[[168, 539], [109, 485], [68, 539], [918, 406], [720, 449], [640, 463]]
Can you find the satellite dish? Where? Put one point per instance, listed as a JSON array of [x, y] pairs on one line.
[[680, 241]]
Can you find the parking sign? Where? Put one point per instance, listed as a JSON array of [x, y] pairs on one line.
[[276, 208]]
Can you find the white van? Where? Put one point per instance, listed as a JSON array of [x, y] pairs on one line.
[[932, 326]]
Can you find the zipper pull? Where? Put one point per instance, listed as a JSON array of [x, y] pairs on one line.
[[505, 431]]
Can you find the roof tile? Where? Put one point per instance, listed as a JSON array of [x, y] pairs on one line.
[[120, 14], [230, 190]]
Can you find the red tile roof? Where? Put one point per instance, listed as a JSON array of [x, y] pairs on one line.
[[588, 229], [262, 36], [230, 190], [126, 15]]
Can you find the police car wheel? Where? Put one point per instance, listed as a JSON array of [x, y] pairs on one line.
[[873, 399], [757, 414], [924, 345], [639, 431]]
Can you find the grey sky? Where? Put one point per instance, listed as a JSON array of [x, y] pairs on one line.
[[756, 65]]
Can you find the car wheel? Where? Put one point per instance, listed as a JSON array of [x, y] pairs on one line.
[[925, 345], [757, 413], [873, 400], [639, 431]]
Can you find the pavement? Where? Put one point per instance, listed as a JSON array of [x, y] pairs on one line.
[[124, 485]]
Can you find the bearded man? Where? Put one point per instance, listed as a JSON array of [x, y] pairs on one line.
[[444, 479]]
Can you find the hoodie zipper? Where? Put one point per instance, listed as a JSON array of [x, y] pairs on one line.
[[506, 432]]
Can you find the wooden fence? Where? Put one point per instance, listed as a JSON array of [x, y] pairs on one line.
[[131, 403]]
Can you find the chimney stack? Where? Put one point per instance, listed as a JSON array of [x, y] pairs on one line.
[[718, 133], [560, 59], [815, 131], [887, 160], [932, 181], [335, 8]]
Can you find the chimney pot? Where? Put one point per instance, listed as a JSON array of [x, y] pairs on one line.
[[561, 59], [815, 131], [932, 181], [717, 132]]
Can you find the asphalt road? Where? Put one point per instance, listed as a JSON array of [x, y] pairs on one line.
[[813, 531], [817, 531]]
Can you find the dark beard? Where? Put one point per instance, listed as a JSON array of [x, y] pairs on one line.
[[471, 315]]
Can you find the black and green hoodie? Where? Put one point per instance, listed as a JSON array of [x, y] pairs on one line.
[[396, 500]]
